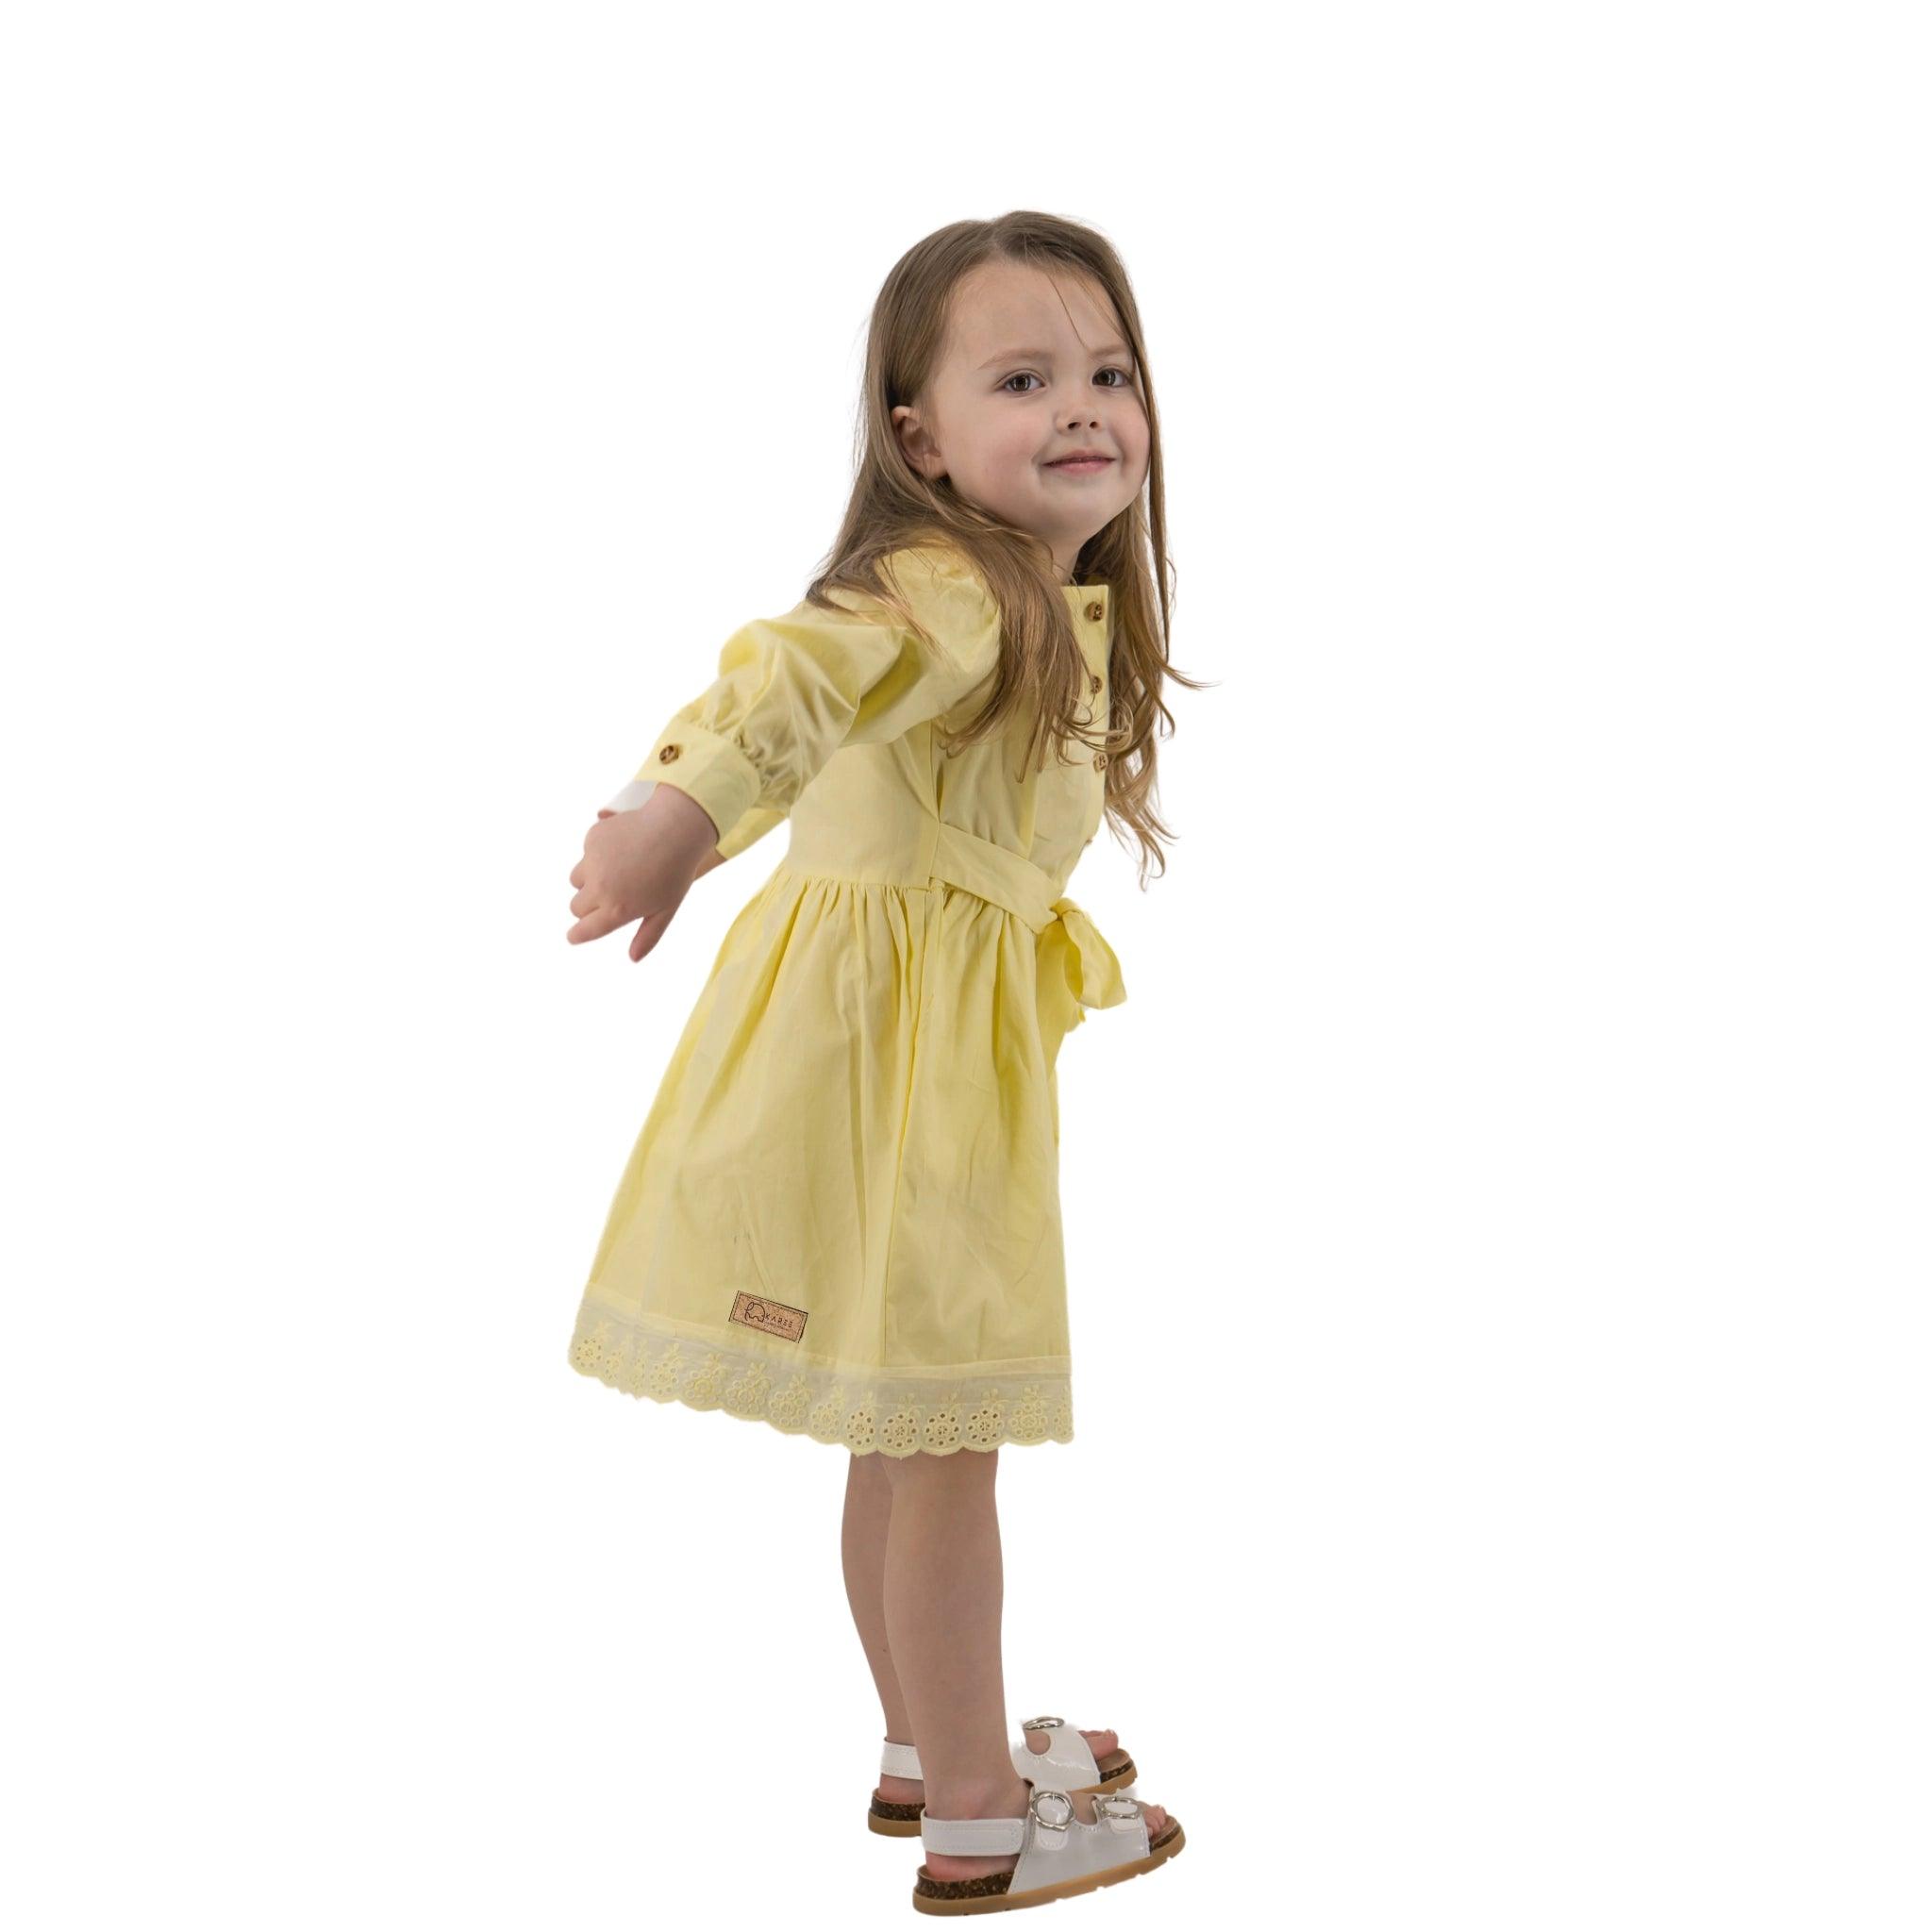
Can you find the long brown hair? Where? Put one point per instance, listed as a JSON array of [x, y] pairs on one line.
[[1042, 676]]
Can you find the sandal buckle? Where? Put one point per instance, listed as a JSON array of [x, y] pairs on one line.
[[1044, 1794], [1042, 1724]]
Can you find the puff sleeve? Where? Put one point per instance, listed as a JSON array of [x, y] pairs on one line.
[[791, 690]]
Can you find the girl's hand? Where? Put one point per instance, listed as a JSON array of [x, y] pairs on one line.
[[712, 859], [639, 865]]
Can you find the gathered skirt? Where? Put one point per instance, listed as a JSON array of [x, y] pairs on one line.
[[841, 1215]]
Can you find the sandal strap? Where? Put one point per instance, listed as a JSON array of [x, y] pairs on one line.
[[1060, 1846], [1053, 1843], [1068, 1761], [900, 1761], [967, 1838]]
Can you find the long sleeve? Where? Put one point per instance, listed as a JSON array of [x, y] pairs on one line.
[[791, 690]]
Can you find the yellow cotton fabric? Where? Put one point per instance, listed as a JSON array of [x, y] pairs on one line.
[[842, 1215]]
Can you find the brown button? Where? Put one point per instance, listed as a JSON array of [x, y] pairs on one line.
[[668, 753], [1100, 761], [1094, 680], [1096, 612]]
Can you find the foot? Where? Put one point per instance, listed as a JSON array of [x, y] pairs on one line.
[[911, 1791], [1013, 1804]]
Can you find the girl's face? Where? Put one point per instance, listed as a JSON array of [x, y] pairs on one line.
[[1033, 368]]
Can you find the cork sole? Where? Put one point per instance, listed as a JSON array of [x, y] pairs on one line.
[[891, 1820], [954, 1896]]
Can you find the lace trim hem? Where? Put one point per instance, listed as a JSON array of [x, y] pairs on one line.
[[865, 1414]]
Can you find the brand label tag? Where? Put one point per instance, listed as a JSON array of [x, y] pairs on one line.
[[774, 1318]]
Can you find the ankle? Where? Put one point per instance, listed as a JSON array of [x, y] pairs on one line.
[[976, 1797]]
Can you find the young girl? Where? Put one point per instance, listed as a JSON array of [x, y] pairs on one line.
[[841, 1216]]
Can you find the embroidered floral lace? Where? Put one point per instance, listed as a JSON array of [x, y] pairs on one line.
[[873, 1413]]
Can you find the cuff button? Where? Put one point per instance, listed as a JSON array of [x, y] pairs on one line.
[[668, 753]]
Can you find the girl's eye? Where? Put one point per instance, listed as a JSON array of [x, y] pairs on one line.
[[1127, 380]]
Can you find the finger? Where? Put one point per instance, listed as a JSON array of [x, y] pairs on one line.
[[648, 933], [596, 922], [577, 873]]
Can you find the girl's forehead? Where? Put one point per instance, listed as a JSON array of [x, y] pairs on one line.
[[1003, 307]]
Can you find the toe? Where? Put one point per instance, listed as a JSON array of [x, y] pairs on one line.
[[1101, 1743]]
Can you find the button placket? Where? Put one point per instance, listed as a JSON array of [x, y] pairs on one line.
[[1094, 611]]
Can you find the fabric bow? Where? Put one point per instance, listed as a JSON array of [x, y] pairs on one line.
[[1091, 970]]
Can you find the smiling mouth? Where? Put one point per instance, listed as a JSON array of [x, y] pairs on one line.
[[1080, 463]]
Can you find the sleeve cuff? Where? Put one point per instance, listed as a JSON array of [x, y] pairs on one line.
[[704, 766]]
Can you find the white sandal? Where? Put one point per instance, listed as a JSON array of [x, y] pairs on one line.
[[1059, 1856], [1068, 1764]]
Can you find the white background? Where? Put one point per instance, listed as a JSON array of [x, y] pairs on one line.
[[1498, 1219]]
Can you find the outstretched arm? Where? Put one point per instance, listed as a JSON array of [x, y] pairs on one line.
[[790, 691]]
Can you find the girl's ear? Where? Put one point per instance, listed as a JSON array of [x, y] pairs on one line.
[[917, 443]]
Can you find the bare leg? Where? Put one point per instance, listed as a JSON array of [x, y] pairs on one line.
[[944, 1589], [862, 1549], [944, 1593]]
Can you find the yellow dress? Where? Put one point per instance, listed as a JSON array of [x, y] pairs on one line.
[[842, 1215]]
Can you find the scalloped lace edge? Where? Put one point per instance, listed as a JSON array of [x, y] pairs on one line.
[[865, 1414]]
